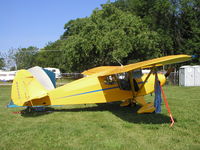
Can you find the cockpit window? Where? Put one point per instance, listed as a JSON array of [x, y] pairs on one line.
[[137, 74], [123, 81], [110, 80], [122, 76]]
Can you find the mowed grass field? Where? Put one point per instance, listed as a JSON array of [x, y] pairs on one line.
[[104, 126]]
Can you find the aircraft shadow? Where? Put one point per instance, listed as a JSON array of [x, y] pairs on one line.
[[128, 114]]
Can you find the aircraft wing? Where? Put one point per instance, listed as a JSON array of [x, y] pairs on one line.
[[99, 69], [166, 60]]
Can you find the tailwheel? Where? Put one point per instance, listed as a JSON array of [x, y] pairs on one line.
[[28, 109]]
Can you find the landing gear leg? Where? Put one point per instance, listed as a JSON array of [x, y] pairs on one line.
[[128, 103]]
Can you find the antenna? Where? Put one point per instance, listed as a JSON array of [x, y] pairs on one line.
[[118, 61]]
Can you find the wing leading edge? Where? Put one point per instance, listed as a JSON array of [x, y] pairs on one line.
[[97, 70], [166, 60]]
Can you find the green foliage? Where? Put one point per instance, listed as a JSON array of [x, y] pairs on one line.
[[130, 31], [190, 28], [2, 63], [50, 55], [108, 34], [176, 21], [24, 57]]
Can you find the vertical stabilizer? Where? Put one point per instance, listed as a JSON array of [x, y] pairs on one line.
[[29, 85], [42, 77]]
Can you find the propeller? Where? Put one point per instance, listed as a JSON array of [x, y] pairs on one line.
[[169, 71]]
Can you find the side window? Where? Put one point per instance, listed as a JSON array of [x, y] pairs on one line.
[[137, 74], [110, 80], [123, 81]]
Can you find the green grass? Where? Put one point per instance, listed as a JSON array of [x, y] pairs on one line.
[[104, 126]]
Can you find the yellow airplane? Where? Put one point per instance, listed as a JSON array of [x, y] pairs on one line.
[[35, 86]]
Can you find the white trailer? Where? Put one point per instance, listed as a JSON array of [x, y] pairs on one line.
[[56, 71], [189, 76], [197, 75], [7, 75]]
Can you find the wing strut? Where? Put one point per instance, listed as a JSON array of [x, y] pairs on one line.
[[146, 80], [130, 73]]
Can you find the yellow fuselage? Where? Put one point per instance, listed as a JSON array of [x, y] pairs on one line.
[[93, 89]]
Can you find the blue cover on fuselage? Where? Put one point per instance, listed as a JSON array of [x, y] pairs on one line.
[[51, 76]]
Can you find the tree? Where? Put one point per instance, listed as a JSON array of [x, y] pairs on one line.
[[190, 28], [25, 57], [176, 21], [51, 55], [2, 63], [107, 34], [126, 30], [158, 15]]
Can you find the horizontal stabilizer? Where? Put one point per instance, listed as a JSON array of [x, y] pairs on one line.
[[12, 105]]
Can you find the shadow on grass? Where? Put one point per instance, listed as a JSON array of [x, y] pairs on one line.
[[125, 113], [36, 113]]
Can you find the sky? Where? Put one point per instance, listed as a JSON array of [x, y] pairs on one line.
[[26, 23]]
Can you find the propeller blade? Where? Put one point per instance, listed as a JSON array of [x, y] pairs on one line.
[[169, 71]]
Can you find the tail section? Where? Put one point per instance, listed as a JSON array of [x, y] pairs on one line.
[[30, 85]]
